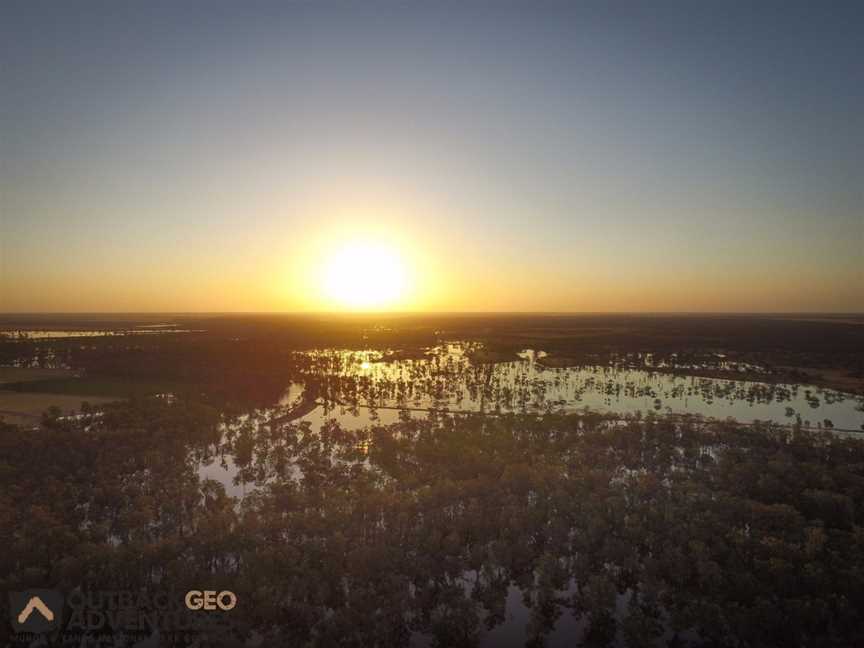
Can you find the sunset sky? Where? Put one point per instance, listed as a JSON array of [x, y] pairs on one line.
[[603, 156]]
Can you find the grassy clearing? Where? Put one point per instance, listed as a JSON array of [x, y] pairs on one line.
[[24, 401], [29, 374], [24, 408], [94, 386]]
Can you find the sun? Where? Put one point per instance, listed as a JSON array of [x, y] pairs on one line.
[[364, 274]]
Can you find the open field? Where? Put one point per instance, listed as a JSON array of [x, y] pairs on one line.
[[31, 374], [26, 408], [115, 387], [27, 392]]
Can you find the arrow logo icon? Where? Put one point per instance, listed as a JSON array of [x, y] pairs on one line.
[[35, 604], [36, 610]]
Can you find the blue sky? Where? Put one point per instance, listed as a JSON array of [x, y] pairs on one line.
[[599, 156]]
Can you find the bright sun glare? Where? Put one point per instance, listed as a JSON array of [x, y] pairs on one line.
[[364, 274]]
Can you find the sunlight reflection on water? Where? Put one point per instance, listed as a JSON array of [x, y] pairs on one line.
[[357, 389], [449, 379]]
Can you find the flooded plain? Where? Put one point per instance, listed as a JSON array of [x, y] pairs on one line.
[[361, 388], [489, 529], [365, 384]]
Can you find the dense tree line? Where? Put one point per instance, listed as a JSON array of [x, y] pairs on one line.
[[653, 531]]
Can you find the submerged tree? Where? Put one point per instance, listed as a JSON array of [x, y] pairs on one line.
[[645, 530]]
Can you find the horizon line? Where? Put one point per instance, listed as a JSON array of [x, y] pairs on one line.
[[430, 312]]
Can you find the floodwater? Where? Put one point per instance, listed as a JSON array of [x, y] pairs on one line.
[[360, 388], [448, 379]]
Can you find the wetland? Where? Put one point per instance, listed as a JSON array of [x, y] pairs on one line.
[[461, 482]]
